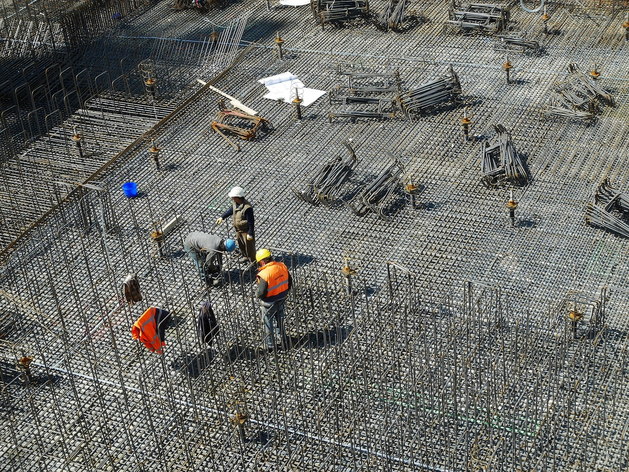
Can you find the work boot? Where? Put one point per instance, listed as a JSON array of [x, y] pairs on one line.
[[244, 260]]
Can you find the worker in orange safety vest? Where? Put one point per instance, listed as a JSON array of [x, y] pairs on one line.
[[150, 328], [274, 282]]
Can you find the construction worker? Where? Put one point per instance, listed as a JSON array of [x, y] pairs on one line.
[[243, 223], [274, 282], [206, 251]]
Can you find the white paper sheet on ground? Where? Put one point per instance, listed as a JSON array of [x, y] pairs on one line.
[[295, 3], [280, 86]]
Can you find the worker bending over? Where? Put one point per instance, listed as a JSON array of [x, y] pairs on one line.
[[274, 282], [243, 223], [206, 251]]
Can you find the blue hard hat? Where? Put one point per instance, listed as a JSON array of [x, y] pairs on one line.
[[230, 245]]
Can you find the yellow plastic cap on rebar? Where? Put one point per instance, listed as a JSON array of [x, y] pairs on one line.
[[262, 254]]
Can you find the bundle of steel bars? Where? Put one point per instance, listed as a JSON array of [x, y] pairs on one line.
[[367, 95], [500, 162], [239, 124], [578, 96], [597, 215], [338, 11], [393, 15], [378, 194], [446, 89], [484, 17], [608, 209], [517, 44], [610, 197], [325, 183]]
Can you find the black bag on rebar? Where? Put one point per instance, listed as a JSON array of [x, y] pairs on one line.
[[131, 289], [207, 325]]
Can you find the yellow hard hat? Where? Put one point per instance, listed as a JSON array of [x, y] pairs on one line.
[[262, 254]]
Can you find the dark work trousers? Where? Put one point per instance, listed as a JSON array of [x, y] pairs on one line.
[[247, 248]]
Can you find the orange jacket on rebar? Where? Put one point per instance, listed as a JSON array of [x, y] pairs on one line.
[[149, 328]]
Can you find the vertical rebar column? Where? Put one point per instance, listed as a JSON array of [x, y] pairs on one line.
[[511, 206], [545, 19], [77, 138], [278, 44], [507, 66], [465, 123], [297, 104]]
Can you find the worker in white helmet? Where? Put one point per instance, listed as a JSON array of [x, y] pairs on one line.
[[242, 212]]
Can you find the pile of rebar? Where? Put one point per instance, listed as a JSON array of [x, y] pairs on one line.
[[517, 44], [367, 95], [378, 195], [444, 90], [483, 17], [325, 183], [609, 207], [393, 15], [500, 163], [238, 123], [578, 96], [338, 11]]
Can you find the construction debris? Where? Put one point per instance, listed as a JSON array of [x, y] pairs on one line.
[[578, 96], [483, 17], [500, 163], [325, 183]]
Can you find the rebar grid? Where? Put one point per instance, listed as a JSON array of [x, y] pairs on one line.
[[387, 378]]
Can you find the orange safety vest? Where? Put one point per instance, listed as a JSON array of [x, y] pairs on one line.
[[275, 274], [145, 328]]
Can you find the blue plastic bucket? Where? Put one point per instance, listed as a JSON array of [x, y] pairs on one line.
[[130, 189]]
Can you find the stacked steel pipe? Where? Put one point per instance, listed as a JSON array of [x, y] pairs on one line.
[[609, 206], [578, 96], [443, 90], [500, 163], [485, 17], [328, 11]]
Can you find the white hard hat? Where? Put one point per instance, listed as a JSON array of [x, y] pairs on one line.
[[237, 192]]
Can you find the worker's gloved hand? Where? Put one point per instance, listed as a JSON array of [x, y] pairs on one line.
[[249, 237], [219, 221]]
